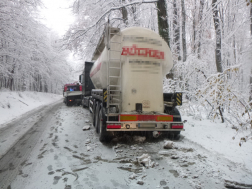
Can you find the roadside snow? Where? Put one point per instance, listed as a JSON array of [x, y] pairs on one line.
[[217, 138], [14, 104]]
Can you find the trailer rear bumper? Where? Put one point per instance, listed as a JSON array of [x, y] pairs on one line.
[[144, 126]]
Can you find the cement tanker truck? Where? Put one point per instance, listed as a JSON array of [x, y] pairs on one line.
[[127, 74]]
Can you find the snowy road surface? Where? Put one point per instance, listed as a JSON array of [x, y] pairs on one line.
[[56, 153]]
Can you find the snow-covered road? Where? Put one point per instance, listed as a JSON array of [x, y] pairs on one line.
[[56, 153]]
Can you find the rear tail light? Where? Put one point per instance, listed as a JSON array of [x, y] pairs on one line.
[[177, 126], [113, 126]]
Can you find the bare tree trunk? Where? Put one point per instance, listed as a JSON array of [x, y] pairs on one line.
[[251, 19], [200, 28], [216, 19], [176, 29], [250, 96], [194, 28], [163, 26], [124, 14], [133, 9], [218, 36], [183, 30]]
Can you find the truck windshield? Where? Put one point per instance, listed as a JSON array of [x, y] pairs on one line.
[[73, 88]]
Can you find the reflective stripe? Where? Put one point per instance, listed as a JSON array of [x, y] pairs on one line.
[[158, 118], [128, 118], [164, 118]]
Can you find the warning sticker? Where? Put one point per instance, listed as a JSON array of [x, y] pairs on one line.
[[146, 104]]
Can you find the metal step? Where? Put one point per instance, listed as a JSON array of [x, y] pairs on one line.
[[112, 104], [112, 114], [114, 42], [115, 59], [114, 95], [115, 76], [115, 90]]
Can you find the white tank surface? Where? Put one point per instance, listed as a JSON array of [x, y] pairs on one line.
[[145, 59]]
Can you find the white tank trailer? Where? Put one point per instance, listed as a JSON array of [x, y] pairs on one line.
[[128, 72]]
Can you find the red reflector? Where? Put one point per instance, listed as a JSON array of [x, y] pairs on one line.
[[177, 126], [147, 117], [113, 126], [70, 100]]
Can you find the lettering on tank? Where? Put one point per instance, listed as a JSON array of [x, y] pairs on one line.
[[151, 67], [139, 39], [143, 62], [145, 52]]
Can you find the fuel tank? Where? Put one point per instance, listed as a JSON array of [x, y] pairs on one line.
[[145, 60]]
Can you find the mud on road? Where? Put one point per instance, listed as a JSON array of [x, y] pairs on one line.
[[56, 153]]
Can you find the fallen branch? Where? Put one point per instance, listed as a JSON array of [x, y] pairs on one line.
[[236, 185]]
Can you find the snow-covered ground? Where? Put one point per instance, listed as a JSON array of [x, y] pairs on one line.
[[213, 136], [218, 138], [15, 104]]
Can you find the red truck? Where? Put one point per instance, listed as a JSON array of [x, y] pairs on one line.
[[72, 94]]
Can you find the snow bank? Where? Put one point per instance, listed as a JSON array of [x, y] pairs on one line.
[[14, 104], [218, 138]]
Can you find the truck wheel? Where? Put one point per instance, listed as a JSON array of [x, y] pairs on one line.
[[89, 106], [67, 103], [104, 136], [93, 116], [176, 134], [83, 103], [97, 117]]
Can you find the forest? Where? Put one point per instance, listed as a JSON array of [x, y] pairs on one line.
[[211, 43], [31, 57]]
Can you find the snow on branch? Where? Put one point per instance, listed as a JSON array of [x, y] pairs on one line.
[[76, 35]]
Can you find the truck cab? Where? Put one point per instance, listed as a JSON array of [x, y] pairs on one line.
[[72, 94]]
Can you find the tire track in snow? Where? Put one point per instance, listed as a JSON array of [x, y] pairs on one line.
[[12, 162]]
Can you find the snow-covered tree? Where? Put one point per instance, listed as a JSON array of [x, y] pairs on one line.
[[29, 59]]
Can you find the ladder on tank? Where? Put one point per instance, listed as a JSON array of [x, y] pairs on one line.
[[114, 65]]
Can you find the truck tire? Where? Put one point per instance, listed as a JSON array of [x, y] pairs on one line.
[[89, 105], [97, 117], [104, 135], [84, 104], [176, 134], [93, 116], [67, 103]]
